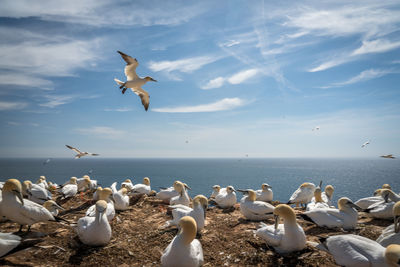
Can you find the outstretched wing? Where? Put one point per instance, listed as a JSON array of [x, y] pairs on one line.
[[130, 68], [144, 96], [74, 149]]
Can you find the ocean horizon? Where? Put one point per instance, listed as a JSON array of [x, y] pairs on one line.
[[352, 177]]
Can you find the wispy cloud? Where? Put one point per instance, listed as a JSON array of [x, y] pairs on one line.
[[236, 78], [224, 104], [124, 109], [58, 100], [363, 76], [376, 46], [10, 105], [186, 65], [25, 81], [101, 132], [105, 12]]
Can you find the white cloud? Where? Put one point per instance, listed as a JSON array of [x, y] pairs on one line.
[[124, 109], [331, 63], [362, 77], [242, 76], [102, 132], [376, 46], [12, 105], [186, 65], [58, 100], [104, 12], [224, 104], [214, 83], [25, 81]]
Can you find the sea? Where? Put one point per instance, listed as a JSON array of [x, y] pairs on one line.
[[353, 178]]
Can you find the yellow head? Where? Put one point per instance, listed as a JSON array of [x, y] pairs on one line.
[[86, 176], [386, 186], [105, 193], [148, 78], [127, 181], [216, 188], [329, 189], [345, 203], [201, 199], [99, 189], [317, 195], [101, 206], [378, 192], [307, 185], [284, 211], [51, 205], [392, 255], [40, 180], [265, 186], [252, 195], [178, 186], [146, 180], [14, 186], [188, 229], [26, 185], [230, 189], [73, 180], [124, 191]]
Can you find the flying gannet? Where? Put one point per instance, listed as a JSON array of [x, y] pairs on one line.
[[134, 82], [80, 153]]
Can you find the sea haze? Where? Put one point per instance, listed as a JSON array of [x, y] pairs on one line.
[[354, 178]]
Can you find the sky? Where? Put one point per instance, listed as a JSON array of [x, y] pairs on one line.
[[234, 78]]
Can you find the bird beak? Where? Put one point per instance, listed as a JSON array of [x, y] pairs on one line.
[[320, 184], [355, 206], [151, 79], [276, 217], [59, 207], [19, 195], [187, 187], [242, 191]]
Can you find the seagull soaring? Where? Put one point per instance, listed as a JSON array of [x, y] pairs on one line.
[[133, 81], [390, 156], [80, 153], [366, 143]]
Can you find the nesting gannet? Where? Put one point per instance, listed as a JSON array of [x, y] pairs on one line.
[[183, 197], [144, 188], [286, 237], [95, 231], [166, 194], [328, 194], [303, 194], [198, 212], [317, 202], [23, 212], [354, 250], [42, 182], [389, 156], [392, 195], [70, 189], [53, 207], [391, 234], [226, 198], [252, 209], [84, 183], [79, 153], [97, 192], [127, 184], [383, 209], [345, 217], [365, 202], [105, 195], [265, 193], [215, 192], [121, 198], [134, 82], [8, 242], [35, 192], [184, 249], [365, 144]]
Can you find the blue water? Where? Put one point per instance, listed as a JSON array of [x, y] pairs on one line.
[[354, 178]]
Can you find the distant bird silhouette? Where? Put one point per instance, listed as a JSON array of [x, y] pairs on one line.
[[365, 144], [316, 128], [80, 153], [46, 161], [134, 82], [389, 156]]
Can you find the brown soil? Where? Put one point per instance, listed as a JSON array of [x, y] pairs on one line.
[[138, 239]]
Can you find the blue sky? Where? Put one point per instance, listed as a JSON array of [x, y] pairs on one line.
[[234, 78]]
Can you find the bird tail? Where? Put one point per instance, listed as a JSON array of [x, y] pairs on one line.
[[305, 217], [118, 81]]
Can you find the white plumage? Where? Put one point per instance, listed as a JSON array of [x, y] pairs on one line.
[[183, 197], [255, 210], [121, 198], [226, 198], [303, 194], [265, 193], [143, 188], [8, 242]]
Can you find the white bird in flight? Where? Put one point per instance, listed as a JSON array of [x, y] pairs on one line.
[[316, 128], [134, 82], [365, 144], [80, 153]]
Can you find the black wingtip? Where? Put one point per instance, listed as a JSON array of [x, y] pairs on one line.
[[288, 203], [305, 217]]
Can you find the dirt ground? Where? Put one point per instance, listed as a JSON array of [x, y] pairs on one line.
[[138, 239]]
